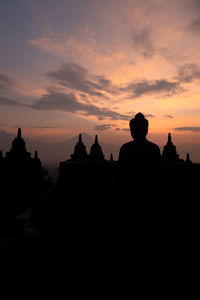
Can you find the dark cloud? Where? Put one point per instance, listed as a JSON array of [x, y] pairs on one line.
[[69, 103], [187, 73], [195, 4], [38, 127], [193, 129], [150, 116], [9, 102], [142, 42], [168, 116], [145, 87], [46, 127], [77, 78], [174, 57], [122, 129], [103, 127], [5, 82], [194, 26]]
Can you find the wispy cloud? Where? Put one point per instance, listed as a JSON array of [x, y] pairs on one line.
[[194, 26], [146, 87], [75, 77], [149, 116], [69, 103], [78, 45], [187, 73], [103, 127], [143, 43], [5, 82], [79, 79], [37, 127], [122, 129], [10, 102], [193, 129], [168, 116]]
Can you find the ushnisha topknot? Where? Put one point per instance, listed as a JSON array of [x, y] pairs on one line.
[[140, 120]]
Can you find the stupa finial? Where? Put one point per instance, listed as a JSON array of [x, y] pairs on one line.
[[19, 134], [169, 138]]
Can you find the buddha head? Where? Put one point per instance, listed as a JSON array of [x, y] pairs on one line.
[[139, 127]]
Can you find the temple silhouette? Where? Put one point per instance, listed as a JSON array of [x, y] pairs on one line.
[[140, 164], [23, 179], [169, 151], [80, 152], [95, 200]]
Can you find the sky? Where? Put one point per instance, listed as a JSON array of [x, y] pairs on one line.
[[72, 66]]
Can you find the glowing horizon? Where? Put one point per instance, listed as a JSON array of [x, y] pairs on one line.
[[89, 66]]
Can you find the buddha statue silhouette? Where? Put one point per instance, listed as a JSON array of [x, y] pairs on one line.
[[140, 150]]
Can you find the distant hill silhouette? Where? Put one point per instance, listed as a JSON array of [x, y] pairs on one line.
[[52, 154]]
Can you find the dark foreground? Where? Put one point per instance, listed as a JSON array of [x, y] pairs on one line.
[[140, 214]]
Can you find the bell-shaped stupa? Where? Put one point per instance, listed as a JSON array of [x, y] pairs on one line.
[[80, 152], [169, 151], [96, 152]]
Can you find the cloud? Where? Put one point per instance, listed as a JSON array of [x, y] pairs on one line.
[[122, 129], [143, 43], [46, 127], [172, 56], [194, 26], [168, 116], [193, 129], [145, 87], [187, 73], [75, 77], [195, 4], [38, 127], [69, 103], [80, 44], [9, 102], [5, 82], [150, 116], [79, 79], [103, 127]]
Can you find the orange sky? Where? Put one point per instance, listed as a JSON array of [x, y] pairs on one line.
[[89, 66]]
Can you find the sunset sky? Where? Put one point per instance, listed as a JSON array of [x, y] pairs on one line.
[[70, 66]]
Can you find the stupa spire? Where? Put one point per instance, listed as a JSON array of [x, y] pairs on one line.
[[169, 151], [96, 151], [19, 133], [80, 138], [169, 138], [80, 152]]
